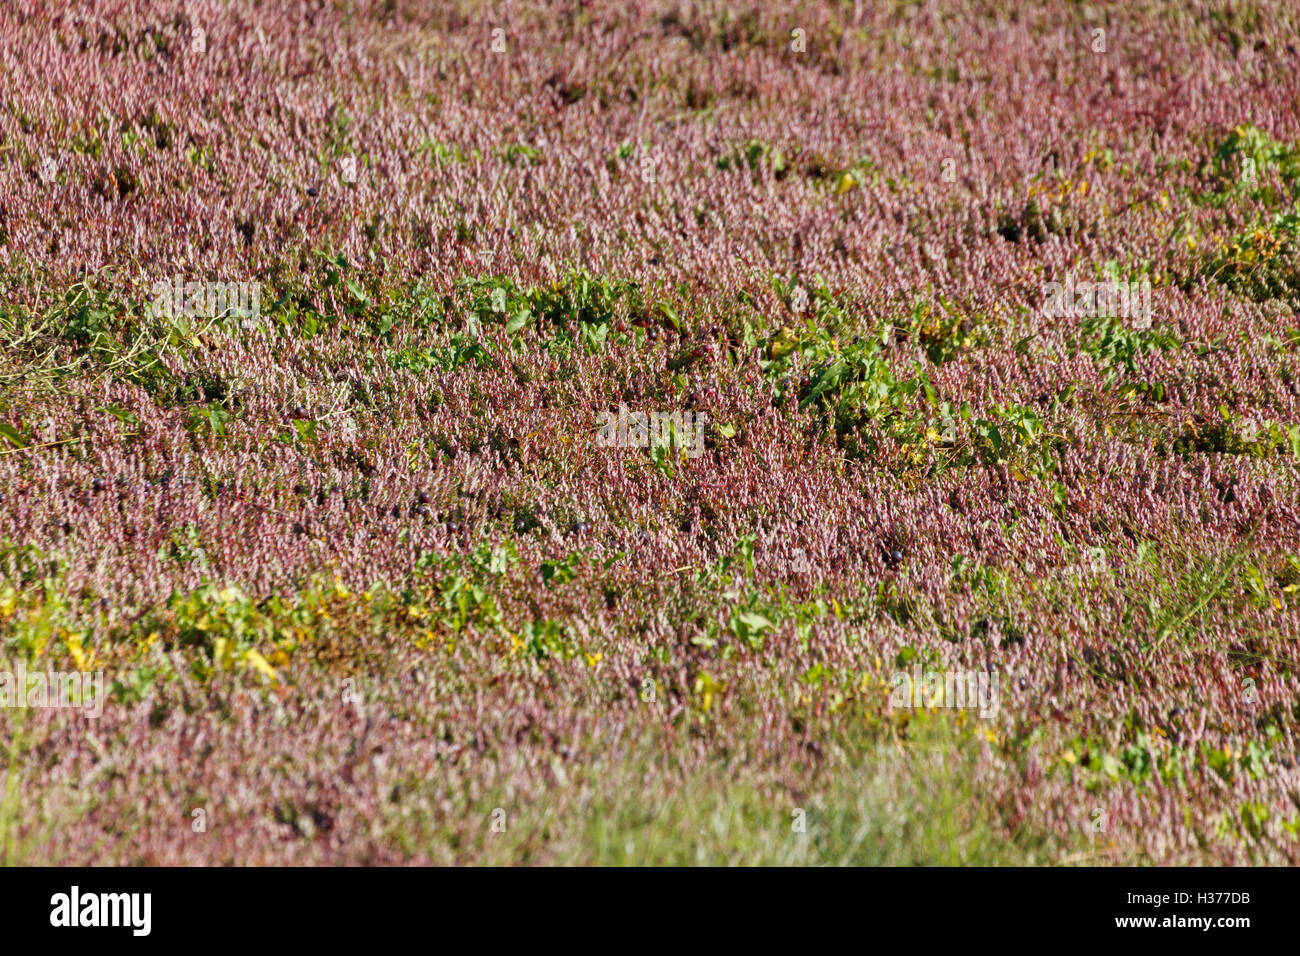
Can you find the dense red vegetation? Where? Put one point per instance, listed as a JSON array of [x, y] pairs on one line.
[[360, 572]]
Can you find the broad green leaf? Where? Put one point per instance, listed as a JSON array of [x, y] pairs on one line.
[[827, 379], [519, 320], [13, 435], [755, 622]]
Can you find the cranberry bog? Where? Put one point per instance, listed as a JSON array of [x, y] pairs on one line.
[[650, 432]]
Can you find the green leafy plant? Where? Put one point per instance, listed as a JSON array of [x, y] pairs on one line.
[[1260, 262]]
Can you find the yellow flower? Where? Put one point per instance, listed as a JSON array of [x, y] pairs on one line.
[[705, 689], [82, 659], [259, 662], [143, 645], [594, 659]]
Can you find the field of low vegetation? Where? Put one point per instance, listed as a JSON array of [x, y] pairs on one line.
[[366, 583]]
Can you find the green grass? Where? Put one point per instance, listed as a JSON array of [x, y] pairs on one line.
[[884, 803]]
